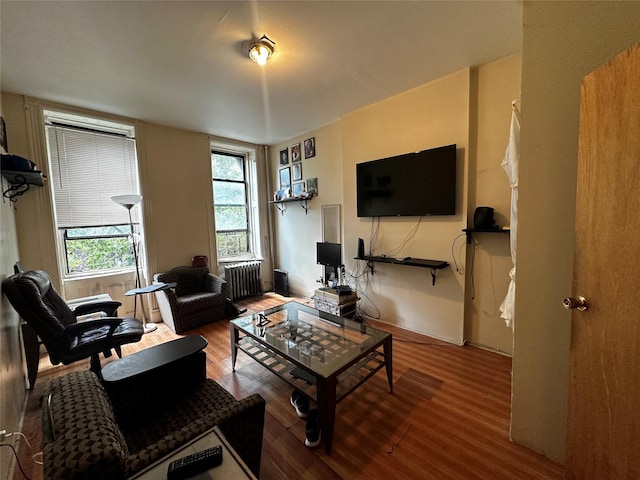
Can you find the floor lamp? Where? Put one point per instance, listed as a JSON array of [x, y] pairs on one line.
[[128, 202]]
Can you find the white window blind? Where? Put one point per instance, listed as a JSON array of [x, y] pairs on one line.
[[87, 169]]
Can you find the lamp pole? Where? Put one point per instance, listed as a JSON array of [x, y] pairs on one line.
[[128, 202]]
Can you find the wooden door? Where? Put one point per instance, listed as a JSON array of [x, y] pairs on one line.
[[604, 392]]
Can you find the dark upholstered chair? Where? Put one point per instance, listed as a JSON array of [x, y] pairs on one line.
[[67, 340], [198, 298]]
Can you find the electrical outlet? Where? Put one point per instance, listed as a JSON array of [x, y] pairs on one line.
[[3, 434]]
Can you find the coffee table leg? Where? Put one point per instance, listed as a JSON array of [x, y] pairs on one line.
[[327, 409], [234, 334], [388, 361]]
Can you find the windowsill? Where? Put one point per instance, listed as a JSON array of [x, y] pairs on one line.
[[238, 259], [90, 275]]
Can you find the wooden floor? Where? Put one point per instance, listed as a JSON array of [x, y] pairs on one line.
[[448, 417]]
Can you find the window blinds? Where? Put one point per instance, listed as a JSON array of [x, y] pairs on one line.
[[87, 169]]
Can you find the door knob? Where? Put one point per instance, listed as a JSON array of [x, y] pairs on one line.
[[579, 303]]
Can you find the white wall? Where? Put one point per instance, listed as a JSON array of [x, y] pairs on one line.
[[563, 41]]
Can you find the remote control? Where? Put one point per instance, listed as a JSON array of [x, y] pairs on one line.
[[195, 463]]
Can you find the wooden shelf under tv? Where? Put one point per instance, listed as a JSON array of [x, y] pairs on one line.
[[409, 261]]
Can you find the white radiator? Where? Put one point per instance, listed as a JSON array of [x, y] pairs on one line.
[[243, 279]]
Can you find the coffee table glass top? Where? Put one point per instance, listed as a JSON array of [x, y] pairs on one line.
[[322, 342]]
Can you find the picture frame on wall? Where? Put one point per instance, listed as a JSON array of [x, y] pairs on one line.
[[312, 186], [310, 147], [285, 177], [296, 154], [284, 157], [296, 172], [298, 189]]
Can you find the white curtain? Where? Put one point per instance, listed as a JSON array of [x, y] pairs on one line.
[[510, 165]]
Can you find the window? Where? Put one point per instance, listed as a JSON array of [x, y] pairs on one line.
[[231, 206], [90, 161]]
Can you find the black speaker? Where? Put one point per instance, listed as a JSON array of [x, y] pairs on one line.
[[360, 248], [483, 218]]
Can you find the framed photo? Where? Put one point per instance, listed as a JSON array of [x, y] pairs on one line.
[[312, 186], [296, 172], [284, 157], [310, 147], [298, 189], [281, 194], [296, 155], [285, 178]]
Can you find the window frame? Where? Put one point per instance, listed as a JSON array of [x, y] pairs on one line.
[[249, 154], [98, 126]]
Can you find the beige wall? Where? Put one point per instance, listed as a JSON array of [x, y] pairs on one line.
[[495, 86], [175, 176], [12, 373], [296, 233], [563, 41], [432, 115], [471, 108]]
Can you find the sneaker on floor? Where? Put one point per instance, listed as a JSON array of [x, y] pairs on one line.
[[300, 403], [312, 429]]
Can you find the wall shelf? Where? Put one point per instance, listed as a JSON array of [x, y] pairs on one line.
[[20, 181], [410, 261], [280, 204], [471, 231]]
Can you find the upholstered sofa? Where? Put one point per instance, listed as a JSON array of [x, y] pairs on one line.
[[91, 433], [198, 298]]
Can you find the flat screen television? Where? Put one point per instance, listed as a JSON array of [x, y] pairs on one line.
[[413, 184], [329, 254]]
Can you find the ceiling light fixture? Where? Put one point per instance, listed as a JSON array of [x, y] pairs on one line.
[[260, 50]]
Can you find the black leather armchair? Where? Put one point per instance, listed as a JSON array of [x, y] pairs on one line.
[[67, 340]]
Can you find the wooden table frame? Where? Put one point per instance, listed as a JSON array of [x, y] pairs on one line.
[[329, 389]]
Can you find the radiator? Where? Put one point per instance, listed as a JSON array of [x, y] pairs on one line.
[[243, 279]]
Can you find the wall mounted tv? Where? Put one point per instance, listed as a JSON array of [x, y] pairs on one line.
[[413, 184]]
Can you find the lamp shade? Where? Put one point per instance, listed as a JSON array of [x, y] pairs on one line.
[[127, 201]]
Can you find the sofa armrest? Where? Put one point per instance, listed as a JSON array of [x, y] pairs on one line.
[[215, 284], [244, 430], [81, 438]]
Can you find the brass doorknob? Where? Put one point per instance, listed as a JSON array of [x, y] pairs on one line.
[[579, 303]]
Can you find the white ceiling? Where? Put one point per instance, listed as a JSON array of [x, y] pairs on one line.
[[180, 63]]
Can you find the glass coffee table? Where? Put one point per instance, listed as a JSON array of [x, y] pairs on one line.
[[321, 355]]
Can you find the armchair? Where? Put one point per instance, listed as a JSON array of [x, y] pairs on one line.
[[67, 340], [198, 298]]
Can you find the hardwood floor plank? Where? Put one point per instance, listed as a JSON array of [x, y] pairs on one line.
[[448, 417]]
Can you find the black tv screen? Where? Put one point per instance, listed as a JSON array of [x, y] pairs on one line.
[[413, 184], [329, 254]]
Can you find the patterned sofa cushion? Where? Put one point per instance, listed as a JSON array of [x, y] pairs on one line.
[[81, 438], [85, 440]]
